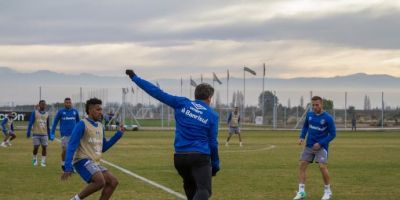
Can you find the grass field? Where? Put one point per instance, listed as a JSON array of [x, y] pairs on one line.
[[362, 166]]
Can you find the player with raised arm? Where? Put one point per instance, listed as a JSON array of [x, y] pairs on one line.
[[196, 147]]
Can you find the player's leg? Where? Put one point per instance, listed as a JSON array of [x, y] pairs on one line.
[[322, 158], [64, 144], [201, 171], [44, 144], [12, 136], [110, 186], [36, 144], [97, 183], [4, 143], [92, 174], [306, 157], [230, 133], [240, 137], [184, 170]]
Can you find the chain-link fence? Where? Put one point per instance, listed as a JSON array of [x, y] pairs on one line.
[[274, 109]]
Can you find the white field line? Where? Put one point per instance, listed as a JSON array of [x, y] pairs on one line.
[[150, 182], [250, 150]]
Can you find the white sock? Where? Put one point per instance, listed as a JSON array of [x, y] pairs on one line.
[[302, 187], [327, 188], [76, 197], [34, 157], [62, 163], [43, 159]]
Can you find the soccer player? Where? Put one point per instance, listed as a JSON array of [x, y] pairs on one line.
[[86, 145], [321, 130], [39, 124], [8, 130], [67, 117], [234, 125], [196, 146]]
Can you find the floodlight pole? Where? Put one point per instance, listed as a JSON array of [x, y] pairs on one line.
[[345, 110]]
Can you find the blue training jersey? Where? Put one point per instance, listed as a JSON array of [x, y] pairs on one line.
[[320, 128], [75, 140], [68, 119], [196, 122]]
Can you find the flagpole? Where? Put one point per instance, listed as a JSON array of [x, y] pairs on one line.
[[181, 85], [244, 95], [263, 95], [227, 89]]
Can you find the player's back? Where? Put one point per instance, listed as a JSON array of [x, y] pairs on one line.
[[194, 123]]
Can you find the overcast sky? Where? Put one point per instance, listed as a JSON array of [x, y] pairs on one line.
[[175, 38]]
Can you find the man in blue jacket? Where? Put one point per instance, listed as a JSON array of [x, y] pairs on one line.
[[67, 117], [196, 146], [321, 130]]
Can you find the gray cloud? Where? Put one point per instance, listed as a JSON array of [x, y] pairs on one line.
[[50, 22]]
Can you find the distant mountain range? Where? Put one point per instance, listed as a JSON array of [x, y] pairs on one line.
[[350, 82], [360, 84]]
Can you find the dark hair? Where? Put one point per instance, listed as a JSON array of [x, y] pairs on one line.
[[203, 91], [315, 98], [92, 102], [67, 99], [42, 101]]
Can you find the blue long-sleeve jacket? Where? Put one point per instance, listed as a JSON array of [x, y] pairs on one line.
[[320, 128], [75, 139], [32, 120], [68, 119], [4, 128], [196, 122]]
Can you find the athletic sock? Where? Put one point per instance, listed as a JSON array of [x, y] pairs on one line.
[[302, 187], [327, 188], [34, 157], [76, 197], [43, 159]]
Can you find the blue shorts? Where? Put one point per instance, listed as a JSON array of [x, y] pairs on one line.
[[87, 168]]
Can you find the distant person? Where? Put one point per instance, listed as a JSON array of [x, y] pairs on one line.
[[67, 117], [8, 129], [84, 151], [321, 130], [234, 125], [353, 124], [39, 125], [196, 147]]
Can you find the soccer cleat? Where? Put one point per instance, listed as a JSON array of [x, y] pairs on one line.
[[8, 143], [327, 195], [300, 195], [34, 162], [43, 164], [240, 144], [226, 144], [3, 144]]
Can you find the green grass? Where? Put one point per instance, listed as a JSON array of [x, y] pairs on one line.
[[362, 166]]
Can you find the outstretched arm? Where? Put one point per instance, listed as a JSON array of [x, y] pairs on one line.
[[108, 144], [154, 91]]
